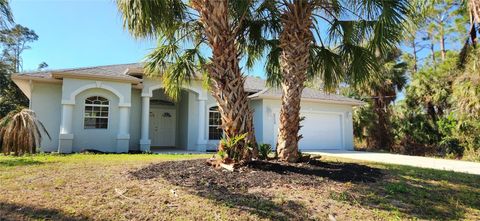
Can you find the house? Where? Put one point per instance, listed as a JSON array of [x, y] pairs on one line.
[[115, 108]]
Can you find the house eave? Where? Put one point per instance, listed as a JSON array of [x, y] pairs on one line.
[[36, 79], [61, 75], [325, 101]]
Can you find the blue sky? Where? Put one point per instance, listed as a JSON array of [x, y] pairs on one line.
[[79, 34]]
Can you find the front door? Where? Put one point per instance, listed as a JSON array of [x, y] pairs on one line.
[[162, 127]]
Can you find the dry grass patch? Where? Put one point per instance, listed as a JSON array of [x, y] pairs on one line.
[[146, 187]]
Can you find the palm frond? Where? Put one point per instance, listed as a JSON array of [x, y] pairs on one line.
[[326, 65], [272, 65], [21, 132], [147, 18], [174, 65], [360, 63]]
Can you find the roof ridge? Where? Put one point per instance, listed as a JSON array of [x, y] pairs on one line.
[[77, 69]]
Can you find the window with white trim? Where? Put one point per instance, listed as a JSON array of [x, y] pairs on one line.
[[215, 131], [96, 113]]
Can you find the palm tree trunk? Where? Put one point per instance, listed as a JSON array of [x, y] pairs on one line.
[[226, 79], [381, 132], [294, 60]]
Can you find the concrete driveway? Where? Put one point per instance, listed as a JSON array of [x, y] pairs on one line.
[[415, 161]]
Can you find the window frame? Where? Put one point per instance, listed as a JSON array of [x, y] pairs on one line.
[[96, 105], [209, 125]]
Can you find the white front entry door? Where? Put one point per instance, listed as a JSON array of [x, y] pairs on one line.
[[162, 127]]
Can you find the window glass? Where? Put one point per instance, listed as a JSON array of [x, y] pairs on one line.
[[96, 113], [215, 131]]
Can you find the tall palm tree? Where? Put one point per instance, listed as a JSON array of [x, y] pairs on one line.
[[381, 92], [202, 25], [331, 39]]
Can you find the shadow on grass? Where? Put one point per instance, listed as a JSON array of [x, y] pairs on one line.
[[234, 189], [424, 194], [21, 212], [11, 162]]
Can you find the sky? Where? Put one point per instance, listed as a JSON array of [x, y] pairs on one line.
[[76, 34], [80, 33]]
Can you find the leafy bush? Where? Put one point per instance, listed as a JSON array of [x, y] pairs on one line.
[[414, 133], [449, 144], [229, 147], [264, 150]]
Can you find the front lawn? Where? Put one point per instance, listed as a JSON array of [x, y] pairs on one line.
[[146, 187]]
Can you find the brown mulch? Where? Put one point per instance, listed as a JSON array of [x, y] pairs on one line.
[[265, 174]]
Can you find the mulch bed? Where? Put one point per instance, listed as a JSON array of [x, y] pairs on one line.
[[264, 174]]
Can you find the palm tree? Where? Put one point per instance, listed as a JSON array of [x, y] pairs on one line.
[[21, 132], [381, 92], [356, 31], [466, 88], [212, 25]]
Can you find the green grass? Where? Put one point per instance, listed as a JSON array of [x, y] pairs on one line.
[[89, 186]]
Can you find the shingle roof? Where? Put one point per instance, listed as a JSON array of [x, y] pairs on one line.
[[309, 93], [115, 71], [254, 85]]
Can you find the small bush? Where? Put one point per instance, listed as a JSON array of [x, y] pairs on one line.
[[264, 150], [229, 147], [21, 132]]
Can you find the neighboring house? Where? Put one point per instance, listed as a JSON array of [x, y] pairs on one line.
[[115, 108]]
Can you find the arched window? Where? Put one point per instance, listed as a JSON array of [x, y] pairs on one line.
[[215, 131], [96, 113]]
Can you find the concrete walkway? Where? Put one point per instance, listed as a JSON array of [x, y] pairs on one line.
[[424, 162]]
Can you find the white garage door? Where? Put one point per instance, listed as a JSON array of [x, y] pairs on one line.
[[321, 131]]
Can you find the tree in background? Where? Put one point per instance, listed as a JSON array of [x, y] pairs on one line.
[[431, 87], [10, 95], [183, 30], [445, 20], [373, 122], [14, 42]]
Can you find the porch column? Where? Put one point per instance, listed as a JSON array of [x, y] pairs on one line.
[[144, 140], [201, 142], [123, 137], [65, 140]]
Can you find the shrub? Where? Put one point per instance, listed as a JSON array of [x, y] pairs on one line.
[[21, 132], [229, 147], [264, 150]]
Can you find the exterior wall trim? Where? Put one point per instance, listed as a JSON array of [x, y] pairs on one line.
[[97, 84]]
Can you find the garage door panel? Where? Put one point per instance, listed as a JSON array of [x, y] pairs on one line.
[[321, 131]]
